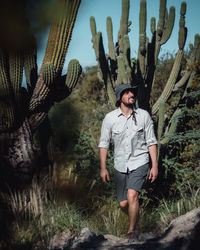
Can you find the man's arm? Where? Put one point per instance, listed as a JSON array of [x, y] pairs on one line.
[[154, 170], [103, 172]]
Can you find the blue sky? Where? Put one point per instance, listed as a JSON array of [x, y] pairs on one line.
[[81, 45]]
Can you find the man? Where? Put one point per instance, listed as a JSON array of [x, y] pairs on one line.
[[131, 130]]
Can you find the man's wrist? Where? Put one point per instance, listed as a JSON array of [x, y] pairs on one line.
[[155, 165]]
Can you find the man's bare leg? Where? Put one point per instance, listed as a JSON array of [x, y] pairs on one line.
[[133, 208], [124, 206]]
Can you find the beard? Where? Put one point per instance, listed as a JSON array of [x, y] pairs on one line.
[[129, 105]]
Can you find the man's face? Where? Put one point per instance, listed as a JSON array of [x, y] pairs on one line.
[[128, 97]]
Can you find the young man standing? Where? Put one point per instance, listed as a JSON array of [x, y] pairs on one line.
[[131, 130]]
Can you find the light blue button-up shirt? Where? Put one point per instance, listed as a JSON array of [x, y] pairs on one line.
[[131, 139]]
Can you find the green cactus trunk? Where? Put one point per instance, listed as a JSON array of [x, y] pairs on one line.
[[23, 111]]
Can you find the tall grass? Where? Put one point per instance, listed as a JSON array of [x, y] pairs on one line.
[[69, 204], [187, 202]]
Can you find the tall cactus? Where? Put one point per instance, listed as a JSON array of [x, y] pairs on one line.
[[22, 110], [122, 69]]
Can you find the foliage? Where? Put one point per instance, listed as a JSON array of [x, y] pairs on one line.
[[88, 164], [181, 161]]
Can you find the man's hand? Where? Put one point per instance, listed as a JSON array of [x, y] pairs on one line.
[[153, 174], [104, 175], [154, 170]]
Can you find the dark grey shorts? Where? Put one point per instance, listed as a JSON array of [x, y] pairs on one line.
[[130, 180]]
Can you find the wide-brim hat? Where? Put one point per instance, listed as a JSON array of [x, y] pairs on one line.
[[121, 88]]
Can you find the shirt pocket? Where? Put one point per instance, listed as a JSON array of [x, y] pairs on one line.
[[138, 141], [117, 129], [117, 134]]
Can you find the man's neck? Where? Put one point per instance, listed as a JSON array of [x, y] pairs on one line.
[[126, 110]]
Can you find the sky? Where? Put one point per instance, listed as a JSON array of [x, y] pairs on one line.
[[81, 47]]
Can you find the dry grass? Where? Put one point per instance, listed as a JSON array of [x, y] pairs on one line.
[[171, 210]]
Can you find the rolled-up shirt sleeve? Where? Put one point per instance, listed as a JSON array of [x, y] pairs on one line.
[[105, 137], [149, 131]]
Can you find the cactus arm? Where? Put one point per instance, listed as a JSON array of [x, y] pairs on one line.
[[111, 48], [103, 65], [193, 57], [171, 81], [161, 122], [16, 72], [60, 32], [73, 72], [39, 94], [160, 27], [142, 66], [122, 77], [7, 110], [153, 25], [93, 26], [169, 26], [123, 24], [110, 39], [124, 18], [142, 27], [126, 57], [94, 34], [111, 94], [161, 116], [142, 38], [48, 74], [182, 81], [182, 29], [50, 86], [173, 126], [166, 17], [161, 21], [48, 80], [198, 49], [104, 73], [30, 66], [102, 62], [177, 63]]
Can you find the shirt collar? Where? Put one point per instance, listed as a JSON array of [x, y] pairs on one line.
[[120, 111]]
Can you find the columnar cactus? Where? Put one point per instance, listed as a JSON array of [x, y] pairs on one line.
[[119, 68], [23, 110]]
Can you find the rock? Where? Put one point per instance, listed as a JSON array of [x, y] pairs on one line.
[[86, 240], [182, 234], [60, 242]]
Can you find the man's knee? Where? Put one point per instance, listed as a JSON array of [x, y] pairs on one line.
[[132, 195], [123, 204]]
